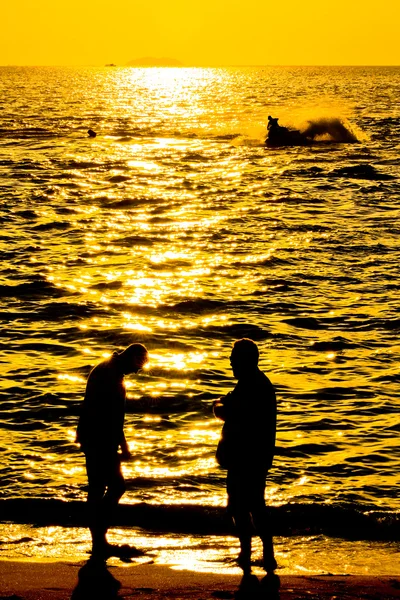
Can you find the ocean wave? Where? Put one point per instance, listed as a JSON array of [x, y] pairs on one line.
[[304, 323], [377, 249], [334, 393], [195, 157], [361, 322], [359, 171], [51, 311], [198, 305], [60, 226], [33, 289], [306, 450], [240, 330], [388, 377], [27, 214], [272, 261], [107, 285], [31, 425], [335, 345], [133, 240], [26, 132], [379, 323], [81, 164], [125, 203], [119, 178], [351, 522], [22, 540], [293, 199], [362, 171], [169, 264], [50, 348], [168, 404]]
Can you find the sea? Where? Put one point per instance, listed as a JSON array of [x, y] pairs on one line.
[[177, 227]]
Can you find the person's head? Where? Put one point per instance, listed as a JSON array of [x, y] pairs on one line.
[[244, 357], [133, 358]]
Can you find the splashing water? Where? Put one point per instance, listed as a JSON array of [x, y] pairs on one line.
[[330, 129]]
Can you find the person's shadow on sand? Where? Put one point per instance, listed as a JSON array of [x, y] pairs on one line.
[[251, 588], [96, 581]]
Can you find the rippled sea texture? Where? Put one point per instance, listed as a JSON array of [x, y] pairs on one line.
[[176, 227]]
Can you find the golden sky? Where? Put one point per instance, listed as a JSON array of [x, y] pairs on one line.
[[200, 32]]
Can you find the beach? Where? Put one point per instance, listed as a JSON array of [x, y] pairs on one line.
[[59, 581]]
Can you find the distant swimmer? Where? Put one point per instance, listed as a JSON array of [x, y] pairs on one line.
[[92, 133]]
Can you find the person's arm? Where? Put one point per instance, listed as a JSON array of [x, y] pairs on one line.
[[120, 399], [125, 452], [270, 437], [220, 407], [85, 414]]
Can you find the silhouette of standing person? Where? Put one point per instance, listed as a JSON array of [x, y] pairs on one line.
[[246, 450], [100, 434]]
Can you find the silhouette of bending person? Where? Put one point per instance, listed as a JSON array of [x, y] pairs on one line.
[[246, 450], [100, 434]]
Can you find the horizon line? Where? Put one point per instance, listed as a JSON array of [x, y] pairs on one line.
[[197, 66]]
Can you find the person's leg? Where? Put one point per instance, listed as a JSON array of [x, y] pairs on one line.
[[115, 482], [96, 489], [241, 518], [115, 489], [261, 519]]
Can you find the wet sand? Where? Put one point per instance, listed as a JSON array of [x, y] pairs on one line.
[[59, 581]]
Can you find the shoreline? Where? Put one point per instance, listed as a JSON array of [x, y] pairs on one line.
[[349, 523], [296, 555], [75, 581]]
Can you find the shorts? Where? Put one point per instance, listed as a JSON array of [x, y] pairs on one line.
[[245, 490], [104, 472]]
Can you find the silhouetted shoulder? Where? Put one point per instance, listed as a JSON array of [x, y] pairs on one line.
[[258, 389], [104, 372], [266, 383]]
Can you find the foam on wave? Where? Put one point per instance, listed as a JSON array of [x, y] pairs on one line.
[[330, 129]]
